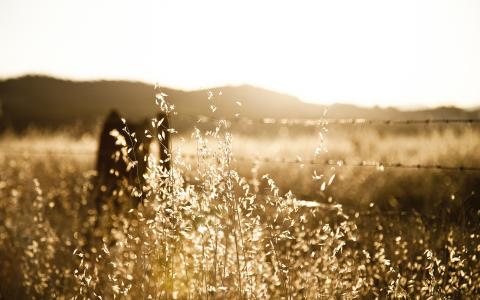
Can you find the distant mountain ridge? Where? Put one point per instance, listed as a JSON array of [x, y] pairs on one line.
[[51, 102]]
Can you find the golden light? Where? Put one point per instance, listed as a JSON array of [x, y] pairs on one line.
[[403, 53]]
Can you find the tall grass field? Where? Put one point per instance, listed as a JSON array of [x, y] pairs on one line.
[[247, 214]]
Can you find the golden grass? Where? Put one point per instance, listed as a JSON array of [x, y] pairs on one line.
[[218, 228]]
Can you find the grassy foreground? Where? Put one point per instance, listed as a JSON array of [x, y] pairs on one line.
[[218, 227]]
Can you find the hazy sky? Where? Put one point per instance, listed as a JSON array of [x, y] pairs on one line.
[[401, 53]]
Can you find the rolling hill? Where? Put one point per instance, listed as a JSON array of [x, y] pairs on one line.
[[50, 102]]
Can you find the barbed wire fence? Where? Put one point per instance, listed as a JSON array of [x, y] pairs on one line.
[[378, 165], [343, 162]]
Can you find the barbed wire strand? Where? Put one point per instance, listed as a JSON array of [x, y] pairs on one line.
[[328, 162], [364, 163], [325, 122]]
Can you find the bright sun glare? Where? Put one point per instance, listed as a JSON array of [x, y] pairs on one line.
[[400, 53]]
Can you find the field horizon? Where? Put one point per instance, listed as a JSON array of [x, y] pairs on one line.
[[79, 103]]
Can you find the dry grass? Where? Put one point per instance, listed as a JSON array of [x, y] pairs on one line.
[[219, 228]]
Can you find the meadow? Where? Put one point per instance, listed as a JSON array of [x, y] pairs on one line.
[[226, 223]]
